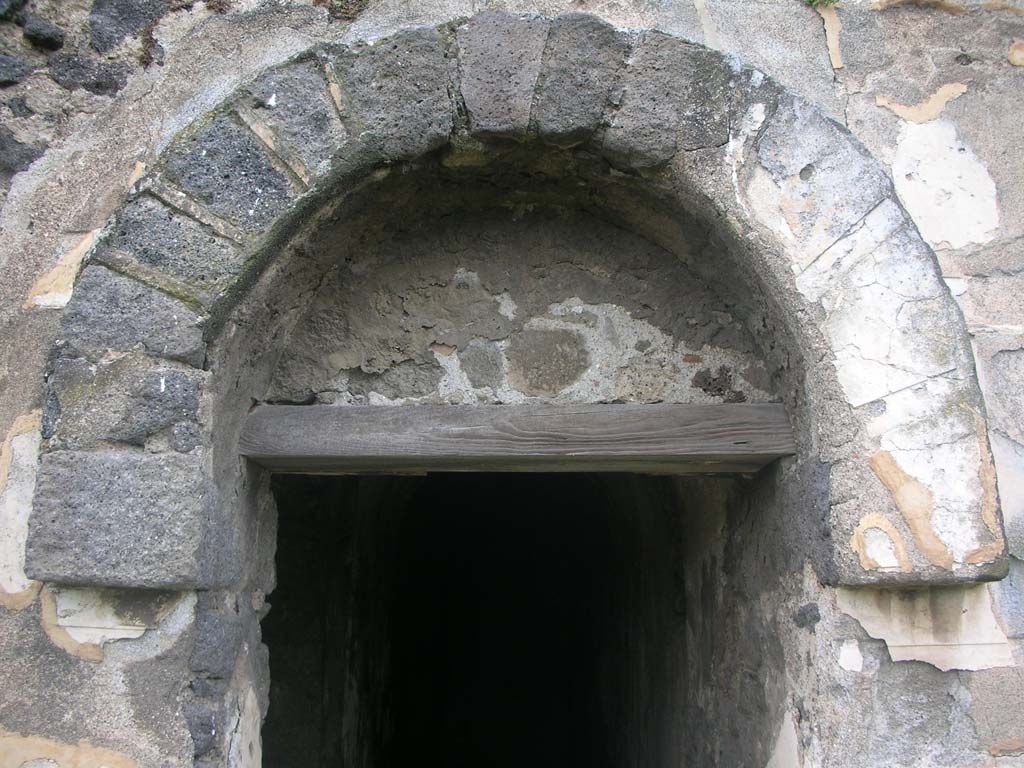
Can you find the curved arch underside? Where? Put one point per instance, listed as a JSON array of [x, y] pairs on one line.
[[188, 299]]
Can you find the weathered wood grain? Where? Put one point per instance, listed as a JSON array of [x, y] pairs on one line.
[[672, 439]]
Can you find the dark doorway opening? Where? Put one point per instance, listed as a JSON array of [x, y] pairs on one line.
[[493, 620]]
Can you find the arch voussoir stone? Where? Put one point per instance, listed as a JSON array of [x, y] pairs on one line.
[[804, 211]]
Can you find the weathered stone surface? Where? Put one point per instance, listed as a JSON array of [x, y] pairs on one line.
[[153, 234], [12, 69], [819, 186], [120, 519], [394, 94], [99, 77], [225, 167], [15, 156], [674, 97], [499, 62], [130, 400], [43, 33], [110, 312], [543, 362], [294, 101], [581, 67], [482, 363], [8, 8], [111, 21]]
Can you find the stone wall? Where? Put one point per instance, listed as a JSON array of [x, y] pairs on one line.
[[931, 676]]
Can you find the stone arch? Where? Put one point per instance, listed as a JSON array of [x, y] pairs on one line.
[[201, 272]]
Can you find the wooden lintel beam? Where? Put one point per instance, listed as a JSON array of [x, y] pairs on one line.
[[662, 439]]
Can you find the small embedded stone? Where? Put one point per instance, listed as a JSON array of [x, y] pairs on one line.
[[545, 362], [79, 72], [15, 156], [43, 33], [13, 70], [807, 616], [481, 361], [9, 8]]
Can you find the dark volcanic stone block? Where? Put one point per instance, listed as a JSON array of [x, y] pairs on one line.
[[153, 234], [499, 62], [109, 311], [581, 68], [42, 33], [227, 169], [111, 21], [294, 101], [129, 400], [395, 93], [674, 97], [119, 519]]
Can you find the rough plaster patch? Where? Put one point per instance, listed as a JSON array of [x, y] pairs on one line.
[[53, 290], [787, 747], [1015, 55], [916, 503], [944, 186], [929, 109], [833, 26], [17, 750], [81, 620], [879, 545], [947, 627], [245, 749], [18, 463], [1008, 456], [850, 657], [734, 154]]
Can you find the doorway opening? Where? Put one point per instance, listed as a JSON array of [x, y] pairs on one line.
[[479, 619]]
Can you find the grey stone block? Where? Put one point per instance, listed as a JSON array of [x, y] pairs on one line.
[[119, 519], [582, 61], [294, 101], [149, 232], [132, 400], [674, 97], [217, 640], [109, 311], [395, 94], [499, 62], [225, 167]]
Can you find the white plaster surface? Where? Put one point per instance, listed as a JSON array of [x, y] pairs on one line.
[[945, 187], [947, 627], [89, 618], [15, 508], [787, 748], [850, 657]]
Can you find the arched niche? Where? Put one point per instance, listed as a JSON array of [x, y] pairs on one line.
[[693, 189], [197, 282]]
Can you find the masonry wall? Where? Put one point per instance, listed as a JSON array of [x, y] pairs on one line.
[[927, 677]]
